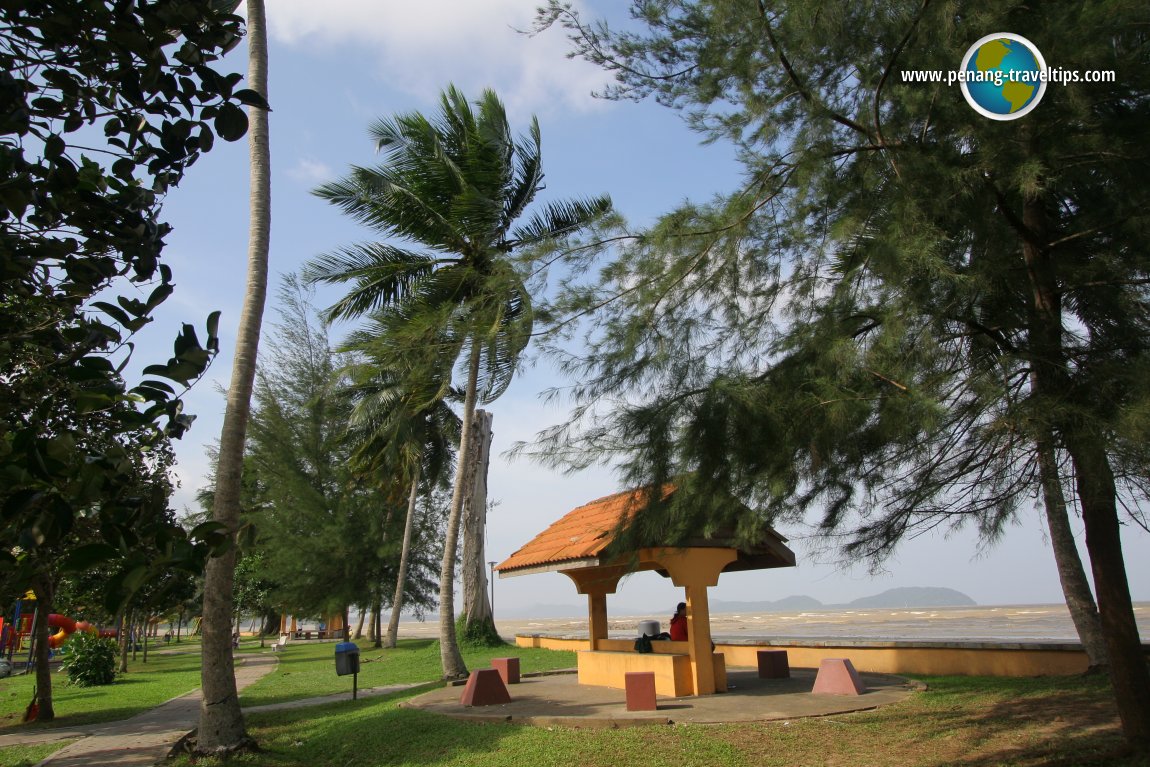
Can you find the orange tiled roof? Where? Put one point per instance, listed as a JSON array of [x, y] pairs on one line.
[[582, 533]]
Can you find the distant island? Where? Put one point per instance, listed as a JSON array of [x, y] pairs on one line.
[[905, 596]]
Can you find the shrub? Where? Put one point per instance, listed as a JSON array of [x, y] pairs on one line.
[[89, 660], [477, 634]]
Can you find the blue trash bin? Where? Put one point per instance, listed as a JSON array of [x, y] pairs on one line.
[[346, 658]]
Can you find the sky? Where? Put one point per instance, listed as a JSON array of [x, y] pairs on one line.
[[337, 66]]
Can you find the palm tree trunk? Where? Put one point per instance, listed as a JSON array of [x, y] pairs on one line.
[[221, 727], [451, 658], [1071, 574], [401, 577], [476, 606]]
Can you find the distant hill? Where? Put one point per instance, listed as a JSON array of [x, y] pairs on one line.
[[906, 596], [916, 596]]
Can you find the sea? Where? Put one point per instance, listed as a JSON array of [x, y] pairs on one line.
[[993, 623]]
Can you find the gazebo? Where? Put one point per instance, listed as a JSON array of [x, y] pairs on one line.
[[577, 545]]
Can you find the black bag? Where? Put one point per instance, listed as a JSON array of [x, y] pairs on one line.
[[643, 644]]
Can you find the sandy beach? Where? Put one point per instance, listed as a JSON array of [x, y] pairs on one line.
[[988, 623]]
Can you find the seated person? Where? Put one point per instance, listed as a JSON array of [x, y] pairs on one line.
[[679, 623]]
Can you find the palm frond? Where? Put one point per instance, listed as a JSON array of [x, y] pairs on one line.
[[558, 219]]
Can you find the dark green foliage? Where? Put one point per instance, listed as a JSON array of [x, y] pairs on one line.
[[103, 107], [327, 527], [90, 660], [853, 332]]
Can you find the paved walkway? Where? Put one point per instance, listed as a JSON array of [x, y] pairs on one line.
[[142, 740]]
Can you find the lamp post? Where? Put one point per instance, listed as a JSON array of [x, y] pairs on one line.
[[491, 568]]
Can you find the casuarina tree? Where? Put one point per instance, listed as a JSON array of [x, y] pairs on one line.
[[910, 316]]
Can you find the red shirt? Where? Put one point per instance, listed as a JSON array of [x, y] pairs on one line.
[[678, 628]]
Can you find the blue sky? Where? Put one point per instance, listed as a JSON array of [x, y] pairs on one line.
[[338, 65]]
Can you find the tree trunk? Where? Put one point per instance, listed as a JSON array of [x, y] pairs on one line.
[[451, 658], [401, 577], [476, 606], [373, 627], [221, 727], [377, 596], [1129, 673], [42, 588], [271, 623], [359, 624], [377, 621], [1097, 493], [125, 639], [1072, 576]]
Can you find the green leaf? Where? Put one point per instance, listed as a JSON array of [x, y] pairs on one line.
[[114, 311], [251, 98], [231, 123], [89, 556]]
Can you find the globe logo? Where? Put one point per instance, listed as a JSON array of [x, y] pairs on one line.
[[1003, 76]]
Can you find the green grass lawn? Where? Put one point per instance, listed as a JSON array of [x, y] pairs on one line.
[[970, 721], [29, 756], [307, 670], [164, 676]]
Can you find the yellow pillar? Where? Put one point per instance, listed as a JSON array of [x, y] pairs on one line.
[[597, 617], [596, 583], [699, 640], [696, 570]]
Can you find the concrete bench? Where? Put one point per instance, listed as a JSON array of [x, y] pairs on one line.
[[837, 676], [640, 687], [484, 688], [773, 664], [508, 668], [673, 676]]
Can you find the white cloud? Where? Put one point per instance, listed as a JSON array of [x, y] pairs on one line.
[[420, 47], [310, 172]]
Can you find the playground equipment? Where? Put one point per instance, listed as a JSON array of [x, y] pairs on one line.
[[66, 627], [16, 635]]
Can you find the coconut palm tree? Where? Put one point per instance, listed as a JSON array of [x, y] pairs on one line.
[[221, 721], [448, 196]]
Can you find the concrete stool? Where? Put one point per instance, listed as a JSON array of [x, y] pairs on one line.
[[773, 664], [640, 687], [484, 688], [837, 676], [508, 668]]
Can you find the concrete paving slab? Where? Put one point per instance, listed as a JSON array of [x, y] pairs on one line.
[[559, 700]]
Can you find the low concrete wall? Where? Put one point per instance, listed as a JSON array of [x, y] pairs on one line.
[[890, 657]]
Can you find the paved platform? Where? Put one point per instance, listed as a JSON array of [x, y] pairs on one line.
[[558, 699]]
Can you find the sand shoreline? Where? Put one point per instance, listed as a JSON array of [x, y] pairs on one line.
[[1040, 623]]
